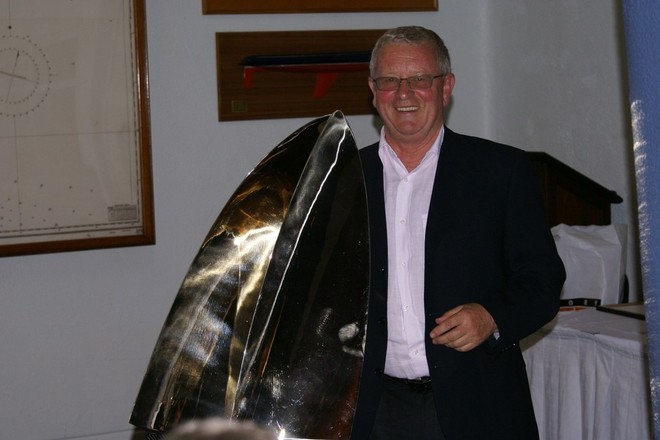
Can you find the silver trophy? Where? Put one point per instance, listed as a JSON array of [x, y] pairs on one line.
[[270, 320]]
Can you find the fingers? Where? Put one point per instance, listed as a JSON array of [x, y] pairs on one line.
[[448, 314], [463, 328], [462, 344]]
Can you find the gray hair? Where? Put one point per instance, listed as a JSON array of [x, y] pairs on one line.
[[415, 36]]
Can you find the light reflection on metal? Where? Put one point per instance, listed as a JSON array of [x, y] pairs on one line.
[[269, 322]]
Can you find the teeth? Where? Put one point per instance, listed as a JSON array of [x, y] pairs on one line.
[[406, 109]]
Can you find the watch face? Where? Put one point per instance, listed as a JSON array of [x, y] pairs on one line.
[[24, 75]]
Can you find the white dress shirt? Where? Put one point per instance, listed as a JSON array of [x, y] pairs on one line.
[[407, 199]]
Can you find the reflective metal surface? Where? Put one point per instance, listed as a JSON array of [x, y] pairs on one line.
[[270, 320]]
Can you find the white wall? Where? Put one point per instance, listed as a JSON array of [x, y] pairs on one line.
[[77, 329], [558, 84]]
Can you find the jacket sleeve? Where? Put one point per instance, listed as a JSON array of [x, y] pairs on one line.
[[534, 271]]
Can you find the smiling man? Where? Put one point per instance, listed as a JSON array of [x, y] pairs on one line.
[[463, 264]]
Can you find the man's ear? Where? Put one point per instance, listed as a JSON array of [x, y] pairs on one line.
[[447, 88]]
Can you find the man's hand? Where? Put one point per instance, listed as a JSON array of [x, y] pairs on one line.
[[464, 327]]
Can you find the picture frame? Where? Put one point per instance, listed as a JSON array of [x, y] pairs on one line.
[[305, 6], [287, 74], [75, 154]]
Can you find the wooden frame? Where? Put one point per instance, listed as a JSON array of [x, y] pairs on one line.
[[293, 90], [85, 180], [305, 6]]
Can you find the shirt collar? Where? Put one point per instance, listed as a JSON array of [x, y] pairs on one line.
[[384, 149]]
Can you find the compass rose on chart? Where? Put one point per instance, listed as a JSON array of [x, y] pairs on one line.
[[25, 75]]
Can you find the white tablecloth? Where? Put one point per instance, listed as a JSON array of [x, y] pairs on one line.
[[588, 374]]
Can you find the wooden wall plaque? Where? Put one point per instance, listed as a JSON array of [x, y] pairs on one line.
[[302, 6], [276, 90]]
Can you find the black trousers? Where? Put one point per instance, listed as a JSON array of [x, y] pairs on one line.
[[406, 412]]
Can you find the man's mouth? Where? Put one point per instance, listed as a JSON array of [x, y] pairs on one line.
[[407, 109]]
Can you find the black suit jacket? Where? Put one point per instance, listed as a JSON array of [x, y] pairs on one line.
[[487, 242]]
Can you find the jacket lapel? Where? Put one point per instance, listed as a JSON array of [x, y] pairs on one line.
[[439, 221], [373, 173]]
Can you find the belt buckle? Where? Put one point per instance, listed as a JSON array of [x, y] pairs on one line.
[[419, 385]]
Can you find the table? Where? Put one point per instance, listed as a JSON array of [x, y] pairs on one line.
[[588, 374]]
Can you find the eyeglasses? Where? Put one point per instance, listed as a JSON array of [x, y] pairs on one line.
[[391, 83]]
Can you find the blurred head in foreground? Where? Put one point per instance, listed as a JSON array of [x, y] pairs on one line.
[[220, 429]]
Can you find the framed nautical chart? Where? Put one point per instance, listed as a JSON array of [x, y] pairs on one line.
[[75, 149]]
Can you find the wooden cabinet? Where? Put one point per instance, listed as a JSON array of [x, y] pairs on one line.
[[569, 196]]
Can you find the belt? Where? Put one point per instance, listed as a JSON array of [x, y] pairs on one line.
[[419, 385]]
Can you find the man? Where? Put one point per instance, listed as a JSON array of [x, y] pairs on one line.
[[463, 264]]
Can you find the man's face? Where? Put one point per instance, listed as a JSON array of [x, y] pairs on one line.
[[412, 118]]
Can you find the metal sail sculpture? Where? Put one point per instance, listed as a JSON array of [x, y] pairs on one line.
[[269, 322]]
